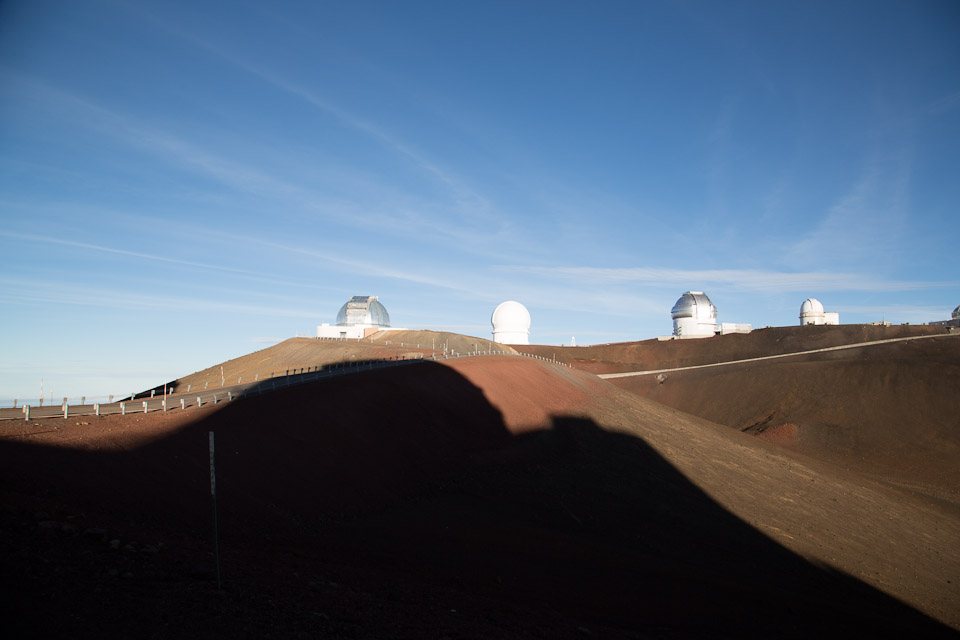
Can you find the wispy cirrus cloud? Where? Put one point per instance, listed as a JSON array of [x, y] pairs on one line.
[[35, 291], [738, 279]]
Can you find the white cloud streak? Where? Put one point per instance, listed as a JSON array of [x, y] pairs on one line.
[[736, 279]]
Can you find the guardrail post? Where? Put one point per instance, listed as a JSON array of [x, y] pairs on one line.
[[214, 398], [205, 385], [26, 412], [96, 409], [144, 406], [188, 387], [66, 411], [199, 402], [183, 403], [230, 396], [256, 377], [164, 404], [123, 408], [153, 392]]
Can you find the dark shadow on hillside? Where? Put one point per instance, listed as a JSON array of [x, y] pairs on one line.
[[406, 486], [280, 378]]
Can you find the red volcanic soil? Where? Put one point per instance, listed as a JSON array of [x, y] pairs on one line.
[[494, 497], [891, 411], [666, 354], [310, 354]]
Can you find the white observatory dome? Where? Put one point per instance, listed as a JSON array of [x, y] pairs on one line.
[[694, 315], [511, 323], [811, 312], [365, 311]]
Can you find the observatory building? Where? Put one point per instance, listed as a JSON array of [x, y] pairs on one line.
[[694, 316], [359, 317], [511, 323], [811, 312], [954, 320]]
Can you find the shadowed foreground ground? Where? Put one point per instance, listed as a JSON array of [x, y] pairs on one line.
[[434, 501]]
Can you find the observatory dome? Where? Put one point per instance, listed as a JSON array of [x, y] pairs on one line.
[[956, 313], [511, 323], [694, 315], [363, 311], [811, 312]]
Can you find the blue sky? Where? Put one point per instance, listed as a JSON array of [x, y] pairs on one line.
[[186, 182]]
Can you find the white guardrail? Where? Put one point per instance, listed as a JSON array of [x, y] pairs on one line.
[[207, 396]]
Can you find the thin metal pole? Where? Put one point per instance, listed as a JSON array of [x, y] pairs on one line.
[[213, 501]]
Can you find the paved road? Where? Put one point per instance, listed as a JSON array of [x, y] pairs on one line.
[[858, 345]]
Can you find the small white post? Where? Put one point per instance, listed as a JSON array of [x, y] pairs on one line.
[[214, 398], [153, 392], [96, 409], [83, 399], [123, 408], [26, 412], [66, 410], [183, 403], [164, 404], [144, 406], [188, 387], [199, 402], [230, 396], [111, 398]]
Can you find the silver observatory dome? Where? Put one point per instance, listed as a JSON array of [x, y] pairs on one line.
[[694, 304], [363, 310]]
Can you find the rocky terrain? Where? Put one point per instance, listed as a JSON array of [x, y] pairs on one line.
[[495, 496]]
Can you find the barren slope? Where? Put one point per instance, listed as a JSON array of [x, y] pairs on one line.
[[891, 411], [494, 497], [295, 354]]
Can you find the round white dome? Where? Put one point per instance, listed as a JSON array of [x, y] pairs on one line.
[[811, 305], [811, 312], [511, 323], [510, 316]]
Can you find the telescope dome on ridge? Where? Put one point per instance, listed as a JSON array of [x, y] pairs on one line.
[[811, 312], [511, 323], [363, 310], [359, 317], [694, 315]]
